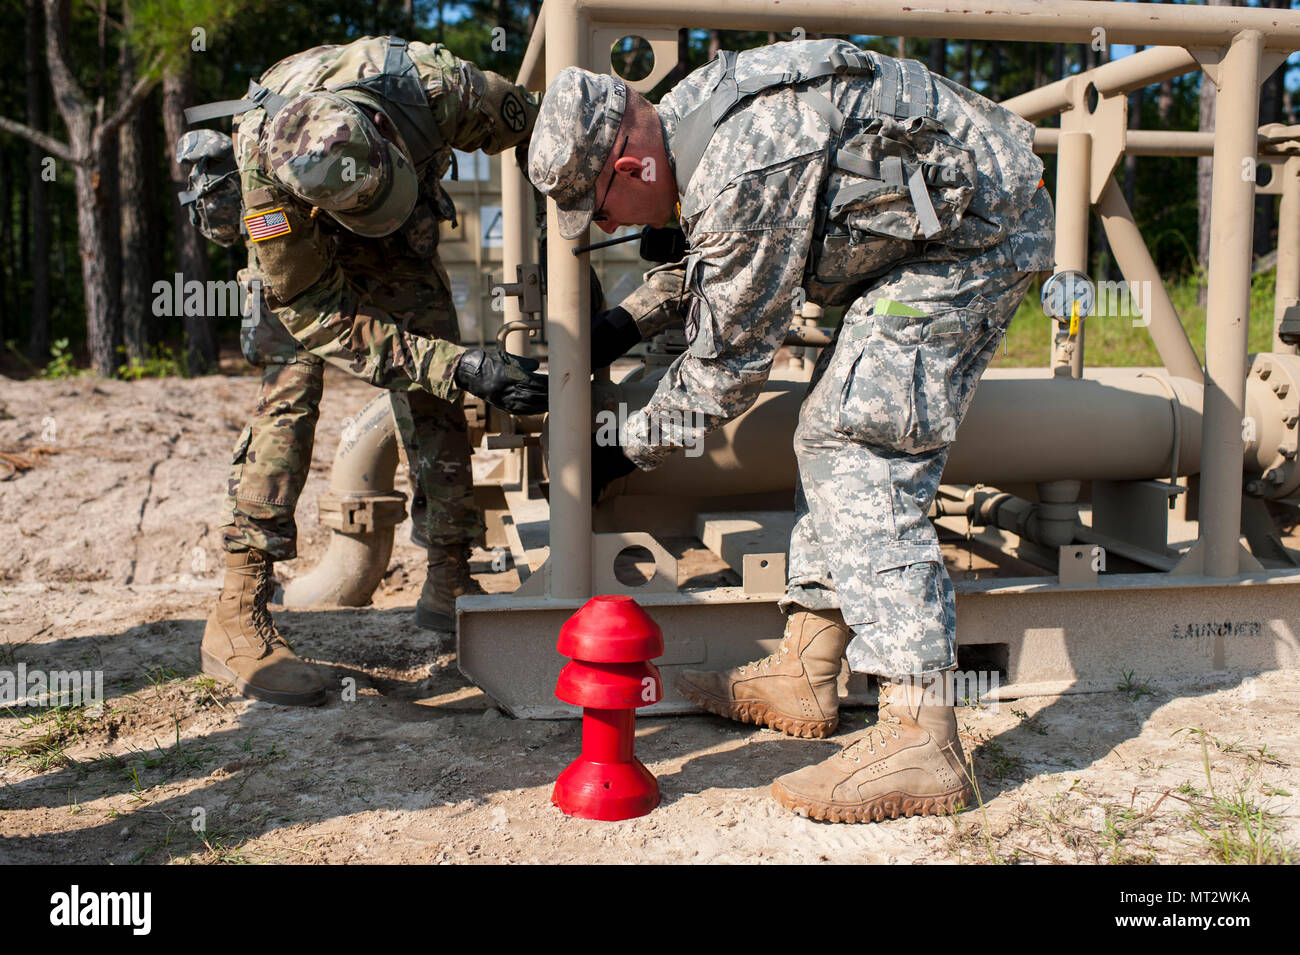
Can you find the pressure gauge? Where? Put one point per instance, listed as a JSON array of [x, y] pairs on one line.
[[1064, 290]]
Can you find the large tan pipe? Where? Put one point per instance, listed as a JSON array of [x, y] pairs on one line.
[[1023, 426], [362, 473], [1228, 310], [1140, 272]]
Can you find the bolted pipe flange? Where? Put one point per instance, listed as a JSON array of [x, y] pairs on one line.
[[1269, 430], [362, 513]]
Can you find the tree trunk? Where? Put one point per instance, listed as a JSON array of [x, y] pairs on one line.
[[995, 71], [134, 202], [1103, 257], [1205, 177], [38, 334], [1270, 111], [7, 270], [939, 56], [94, 236], [191, 248], [1135, 101]]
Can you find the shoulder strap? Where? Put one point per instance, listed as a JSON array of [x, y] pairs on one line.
[[695, 130], [393, 83], [258, 96]]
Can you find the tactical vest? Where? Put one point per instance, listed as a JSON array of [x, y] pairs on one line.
[[896, 175], [396, 90]]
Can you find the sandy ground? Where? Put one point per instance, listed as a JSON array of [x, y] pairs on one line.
[[111, 561]]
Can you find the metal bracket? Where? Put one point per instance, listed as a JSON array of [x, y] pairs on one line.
[[1210, 60], [1107, 125], [1076, 565], [605, 549], [764, 574], [362, 515], [528, 288], [663, 44]]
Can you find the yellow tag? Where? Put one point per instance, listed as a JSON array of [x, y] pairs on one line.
[[1074, 318]]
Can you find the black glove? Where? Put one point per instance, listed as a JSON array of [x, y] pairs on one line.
[[613, 334], [608, 464], [503, 380]]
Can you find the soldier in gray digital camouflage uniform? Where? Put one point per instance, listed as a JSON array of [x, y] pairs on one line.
[[340, 152], [816, 169]]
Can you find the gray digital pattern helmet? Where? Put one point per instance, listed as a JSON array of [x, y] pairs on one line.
[[574, 134]]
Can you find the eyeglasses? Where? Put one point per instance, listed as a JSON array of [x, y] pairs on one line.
[[599, 215]]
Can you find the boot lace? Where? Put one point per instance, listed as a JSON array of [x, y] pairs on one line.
[[262, 621], [767, 661], [878, 734]]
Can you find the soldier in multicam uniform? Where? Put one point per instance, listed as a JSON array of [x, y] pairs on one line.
[[340, 151], [814, 168]]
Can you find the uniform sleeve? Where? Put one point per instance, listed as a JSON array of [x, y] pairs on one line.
[[326, 315], [743, 275], [659, 301], [481, 110]]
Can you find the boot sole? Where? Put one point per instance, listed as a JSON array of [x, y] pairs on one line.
[[759, 713], [214, 667], [889, 806]]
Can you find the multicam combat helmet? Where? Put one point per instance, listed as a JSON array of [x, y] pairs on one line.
[[328, 152]]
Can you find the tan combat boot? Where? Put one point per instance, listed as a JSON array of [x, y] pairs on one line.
[[909, 763], [448, 577], [242, 646], [793, 690]]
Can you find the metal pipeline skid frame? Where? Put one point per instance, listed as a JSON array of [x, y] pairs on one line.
[[1133, 517]]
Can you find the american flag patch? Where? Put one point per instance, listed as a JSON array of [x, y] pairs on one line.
[[267, 225]]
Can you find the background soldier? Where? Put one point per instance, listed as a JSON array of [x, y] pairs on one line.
[[340, 151], [867, 182]]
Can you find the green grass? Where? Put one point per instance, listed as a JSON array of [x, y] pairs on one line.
[[160, 363], [1128, 684], [59, 726], [1235, 829], [1112, 340]]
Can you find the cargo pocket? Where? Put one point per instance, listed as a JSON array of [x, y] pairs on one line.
[[909, 606], [236, 476], [902, 392]]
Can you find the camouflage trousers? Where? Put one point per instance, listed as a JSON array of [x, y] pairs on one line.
[[273, 455], [874, 431]]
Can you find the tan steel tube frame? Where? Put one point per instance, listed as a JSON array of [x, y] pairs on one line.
[[1246, 33], [569, 355], [1139, 269], [1288, 248], [1232, 215], [1073, 185]]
